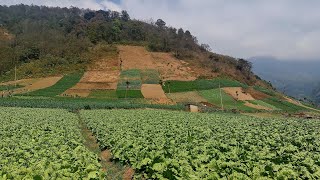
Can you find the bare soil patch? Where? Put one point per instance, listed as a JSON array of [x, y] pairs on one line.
[[187, 97], [238, 93], [153, 91], [256, 94], [102, 75], [32, 84], [170, 68]]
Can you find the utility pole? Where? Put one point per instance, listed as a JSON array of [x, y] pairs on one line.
[[221, 96]]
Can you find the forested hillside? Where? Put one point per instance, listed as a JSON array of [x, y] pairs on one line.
[[44, 41]]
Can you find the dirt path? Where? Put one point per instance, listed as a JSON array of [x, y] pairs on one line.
[[170, 68], [32, 84], [112, 170]]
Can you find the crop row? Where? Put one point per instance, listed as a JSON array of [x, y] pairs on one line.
[[43, 144], [178, 145]]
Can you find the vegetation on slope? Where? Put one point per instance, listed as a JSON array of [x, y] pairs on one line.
[[52, 40]]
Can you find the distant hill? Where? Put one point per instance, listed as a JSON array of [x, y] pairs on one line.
[[48, 41], [297, 78]]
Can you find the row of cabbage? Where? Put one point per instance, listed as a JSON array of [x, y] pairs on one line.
[[179, 145], [44, 144]]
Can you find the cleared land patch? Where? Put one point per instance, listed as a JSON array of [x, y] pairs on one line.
[[103, 74], [30, 85], [238, 93], [153, 91], [192, 96], [137, 57]]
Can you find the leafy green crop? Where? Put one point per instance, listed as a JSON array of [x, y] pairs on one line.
[[150, 76], [43, 144], [179, 145], [262, 103], [200, 84], [10, 87]]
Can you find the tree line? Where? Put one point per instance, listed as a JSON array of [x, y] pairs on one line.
[[58, 36]]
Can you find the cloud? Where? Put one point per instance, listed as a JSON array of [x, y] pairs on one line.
[[241, 28], [90, 4]]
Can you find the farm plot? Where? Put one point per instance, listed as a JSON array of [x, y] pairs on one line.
[[131, 79], [200, 84], [213, 96], [30, 85], [187, 97], [179, 145], [43, 144], [58, 88]]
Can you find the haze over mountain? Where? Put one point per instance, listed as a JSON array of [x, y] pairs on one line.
[[297, 78]]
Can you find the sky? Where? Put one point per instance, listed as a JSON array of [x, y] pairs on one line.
[[285, 29]]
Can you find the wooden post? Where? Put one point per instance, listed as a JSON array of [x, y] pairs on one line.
[[221, 96]]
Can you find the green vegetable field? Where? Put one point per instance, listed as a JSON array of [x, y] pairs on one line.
[[177, 145], [43, 144]]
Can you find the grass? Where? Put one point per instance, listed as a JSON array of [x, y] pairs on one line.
[[262, 103], [150, 76], [131, 74], [134, 84], [201, 84], [104, 94], [265, 90], [10, 87], [187, 97], [82, 103], [213, 96], [68, 81], [284, 105], [130, 94]]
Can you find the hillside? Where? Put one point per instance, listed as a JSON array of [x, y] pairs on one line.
[[43, 41], [299, 78]]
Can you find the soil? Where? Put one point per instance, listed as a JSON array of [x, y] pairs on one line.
[[102, 75], [32, 84], [153, 91], [256, 94], [187, 97], [170, 68], [238, 93], [112, 169]]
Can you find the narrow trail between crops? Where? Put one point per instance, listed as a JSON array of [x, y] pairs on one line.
[[112, 170]]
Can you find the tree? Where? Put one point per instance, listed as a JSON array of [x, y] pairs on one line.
[[125, 16], [205, 47], [244, 66], [89, 15], [160, 23]]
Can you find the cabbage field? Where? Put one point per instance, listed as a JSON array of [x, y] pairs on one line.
[[178, 145], [44, 144]]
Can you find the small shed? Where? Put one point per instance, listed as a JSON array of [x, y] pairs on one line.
[[192, 108]]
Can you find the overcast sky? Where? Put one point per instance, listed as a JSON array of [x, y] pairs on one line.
[[287, 29]]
